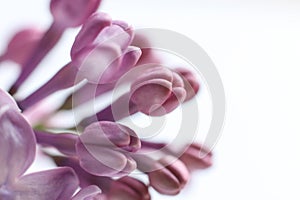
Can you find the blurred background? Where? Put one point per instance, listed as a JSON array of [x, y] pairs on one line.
[[255, 46]]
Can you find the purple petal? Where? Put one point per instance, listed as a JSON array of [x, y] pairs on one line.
[[7, 100], [88, 193], [17, 145], [130, 58], [95, 63], [114, 34], [58, 184]]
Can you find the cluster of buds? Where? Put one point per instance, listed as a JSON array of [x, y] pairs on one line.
[[96, 157]]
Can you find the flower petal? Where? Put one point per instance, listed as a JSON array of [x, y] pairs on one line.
[[55, 184], [86, 193], [7, 100], [17, 145]]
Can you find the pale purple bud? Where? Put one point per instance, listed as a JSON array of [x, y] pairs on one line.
[[72, 13], [89, 31], [22, 45], [196, 157], [158, 91], [103, 148], [93, 64], [111, 134]]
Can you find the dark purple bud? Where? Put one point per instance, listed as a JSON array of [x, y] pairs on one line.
[[128, 188], [22, 45], [72, 13], [196, 157], [170, 179]]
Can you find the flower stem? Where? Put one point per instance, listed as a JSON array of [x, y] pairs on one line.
[[118, 110], [63, 79], [64, 142], [48, 41]]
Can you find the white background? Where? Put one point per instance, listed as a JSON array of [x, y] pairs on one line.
[[255, 46]]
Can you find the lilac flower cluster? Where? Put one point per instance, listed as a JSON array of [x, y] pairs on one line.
[[96, 160]]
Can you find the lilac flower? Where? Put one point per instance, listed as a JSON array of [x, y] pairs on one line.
[[123, 188], [101, 156], [103, 149], [17, 146], [156, 92], [99, 48], [100, 54]]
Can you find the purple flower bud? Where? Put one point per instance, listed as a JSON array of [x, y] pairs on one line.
[[100, 47], [103, 149], [158, 91], [89, 31], [191, 83], [170, 179], [22, 45], [196, 157], [72, 13], [93, 63], [128, 188]]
